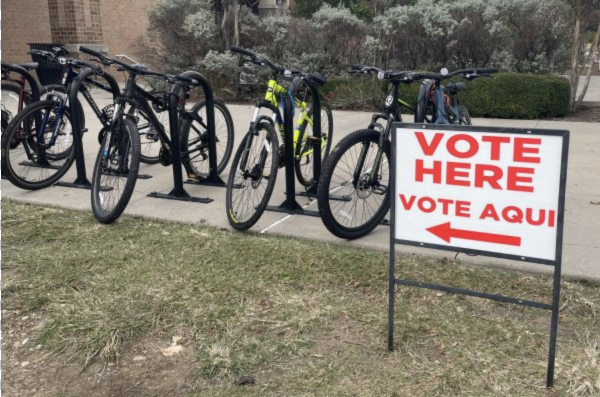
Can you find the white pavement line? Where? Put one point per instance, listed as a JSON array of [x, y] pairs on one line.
[[306, 206], [285, 218]]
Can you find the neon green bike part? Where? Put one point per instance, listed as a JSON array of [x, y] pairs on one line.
[[273, 91]]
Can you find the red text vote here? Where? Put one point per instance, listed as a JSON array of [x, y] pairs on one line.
[[502, 162]]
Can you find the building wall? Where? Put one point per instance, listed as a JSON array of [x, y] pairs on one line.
[[23, 21], [75, 21], [123, 23], [112, 25], [106, 25]]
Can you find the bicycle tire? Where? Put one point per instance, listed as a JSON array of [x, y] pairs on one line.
[[13, 139], [244, 218], [126, 139], [463, 114], [304, 163], [333, 214], [224, 133], [150, 143]]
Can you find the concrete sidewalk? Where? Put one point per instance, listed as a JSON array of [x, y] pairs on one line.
[[582, 226]]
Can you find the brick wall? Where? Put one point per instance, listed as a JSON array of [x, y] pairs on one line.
[[113, 25], [75, 21], [23, 21], [123, 23]]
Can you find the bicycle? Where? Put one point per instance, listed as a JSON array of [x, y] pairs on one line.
[[254, 169], [15, 95], [432, 93], [119, 155], [358, 167], [37, 145], [193, 132]]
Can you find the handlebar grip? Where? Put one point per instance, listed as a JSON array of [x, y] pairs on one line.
[[91, 52], [487, 70], [242, 51], [357, 68], [185, 79]]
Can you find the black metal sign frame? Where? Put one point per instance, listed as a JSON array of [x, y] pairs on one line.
[[556, 263]]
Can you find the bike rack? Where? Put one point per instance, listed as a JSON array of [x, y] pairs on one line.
[[178, 192], [33, 84], [81, 181], [213, 178], [290, 205]]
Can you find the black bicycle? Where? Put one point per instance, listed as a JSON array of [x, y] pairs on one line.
[[15, 95], [37, 143], [117, 163], [193, 132], [358, 167]]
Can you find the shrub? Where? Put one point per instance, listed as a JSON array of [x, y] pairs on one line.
[[518, 96], [506, 95]]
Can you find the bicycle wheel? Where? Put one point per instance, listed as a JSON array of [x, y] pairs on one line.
[[350, 204], [23, 163], [252, 177], [303, 160], [150, 143], [194, 139], [463, 114], [116, 171]]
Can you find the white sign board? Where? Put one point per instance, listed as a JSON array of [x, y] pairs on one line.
[[479, 189]]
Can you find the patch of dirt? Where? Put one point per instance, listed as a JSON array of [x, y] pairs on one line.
[[587, 114], [142, 370]]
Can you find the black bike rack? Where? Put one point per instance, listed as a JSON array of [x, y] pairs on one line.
[[290, 205], [213, 178], [178, 192], [33, 84], [81, 181]]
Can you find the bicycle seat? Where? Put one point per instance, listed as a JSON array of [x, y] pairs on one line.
[[28, 66], [456, 87], [317, 79]]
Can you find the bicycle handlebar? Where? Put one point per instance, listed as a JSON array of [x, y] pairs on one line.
[[242, 51], [257, 59], [94, 66], [408, 76], [91, 52]]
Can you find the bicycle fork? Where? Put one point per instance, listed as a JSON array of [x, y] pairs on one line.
[[372, 180], [61, 100], [257, 172]]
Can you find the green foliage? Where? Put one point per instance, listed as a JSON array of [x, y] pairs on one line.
[[518, 96], [506, 95]]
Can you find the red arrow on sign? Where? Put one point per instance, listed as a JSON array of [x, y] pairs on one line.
[[445, 232]]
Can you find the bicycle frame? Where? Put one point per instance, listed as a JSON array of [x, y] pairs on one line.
[[271, 102], [22, 93], [433, 92]]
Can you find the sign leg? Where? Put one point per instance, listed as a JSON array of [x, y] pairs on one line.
[[554, 325]]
